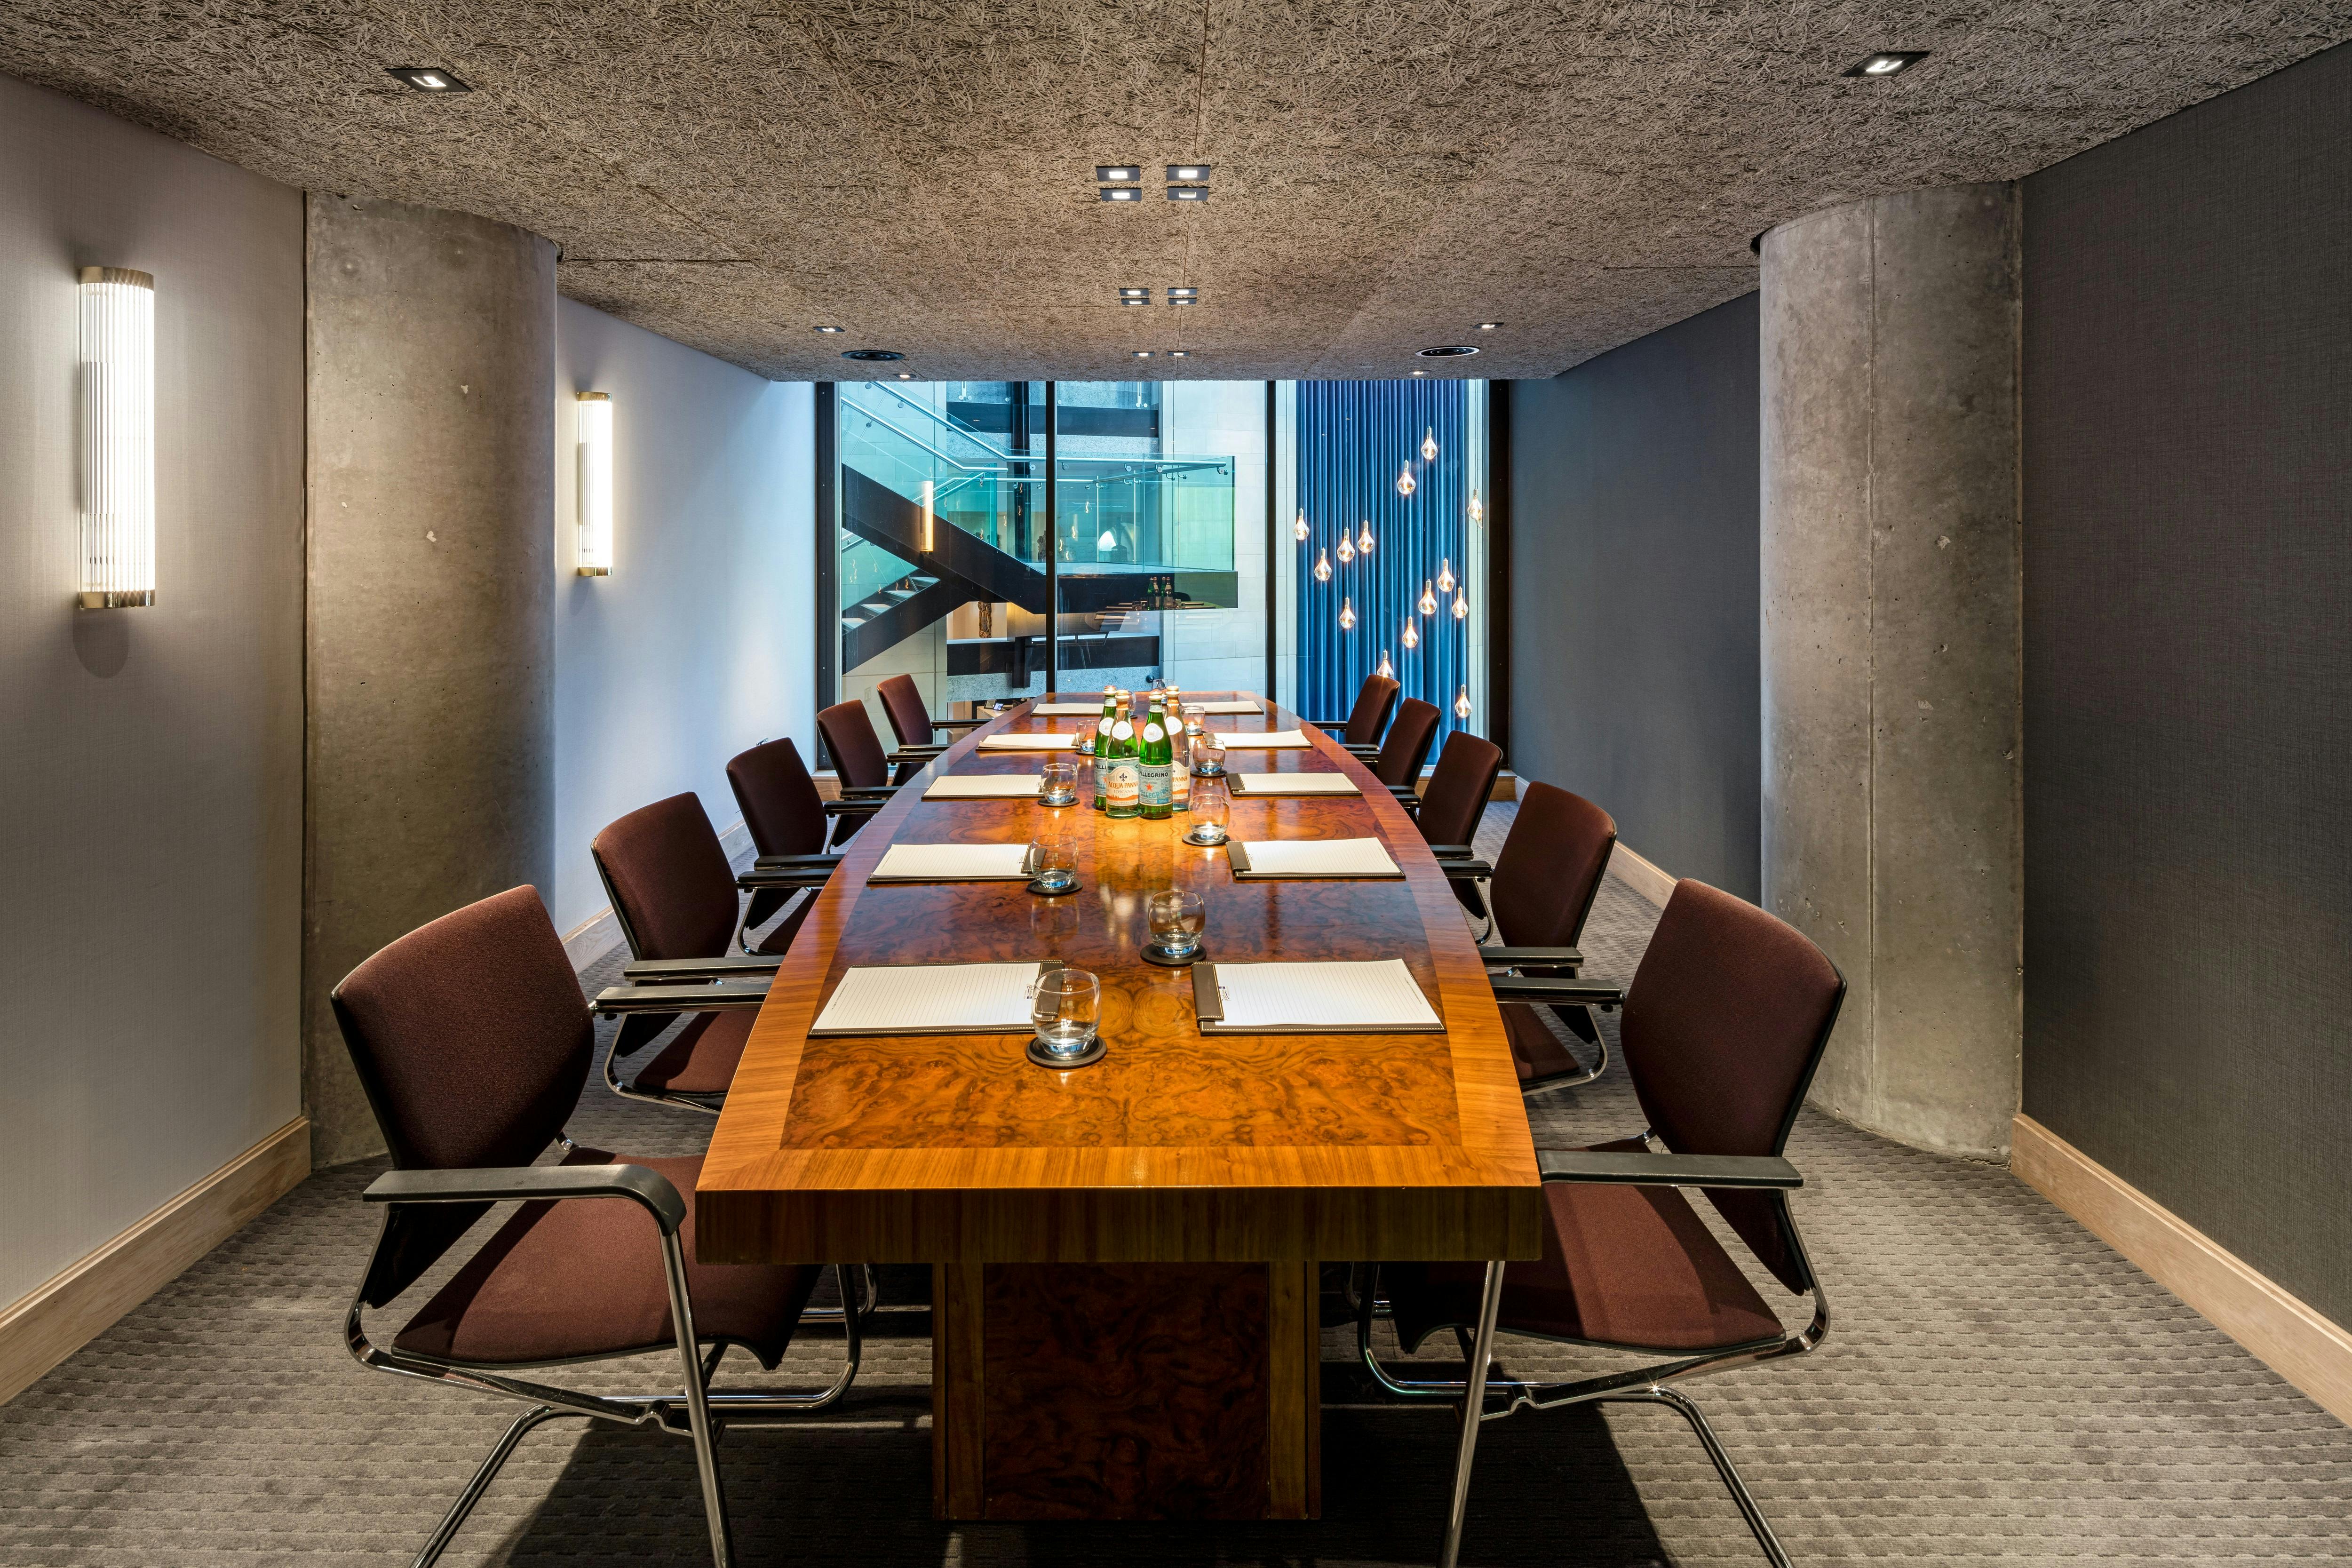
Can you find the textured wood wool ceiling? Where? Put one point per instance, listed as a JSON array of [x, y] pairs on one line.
[[920, 172]]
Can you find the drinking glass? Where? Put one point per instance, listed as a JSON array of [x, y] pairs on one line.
[[1208, 811], [1053, 862], [1059, 784], [1178, 918], [1209, 757], [1066, 1010], [1194, 712]]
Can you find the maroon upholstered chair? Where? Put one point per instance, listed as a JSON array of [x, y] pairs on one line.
[[1541, 889], [1369, 719], [911, 717], [1459, 788], [789, 821], [1406, 746], [674, 894], [472, 1042], [1725, 1023]]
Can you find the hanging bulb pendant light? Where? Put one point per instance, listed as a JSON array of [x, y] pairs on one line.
[[1364, 540], [1412, 637], [1461, 605], [1347, 616], [1429, 446], [1298, 529], [1347, 550], [1322, 566], [1462, 706], [1405, 485], [1428, 601], [1387, 670], [1477, 513], [1445, 576]]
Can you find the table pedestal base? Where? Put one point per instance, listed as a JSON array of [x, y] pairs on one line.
[[1126, 1391]]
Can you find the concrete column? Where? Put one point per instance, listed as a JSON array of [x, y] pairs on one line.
[[1891, 658], [432, 594]]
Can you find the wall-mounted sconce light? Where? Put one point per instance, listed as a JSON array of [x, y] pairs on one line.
[[117, 438], [595, 435], [927, 539]]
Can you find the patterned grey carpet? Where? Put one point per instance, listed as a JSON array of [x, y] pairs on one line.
[[1998, 1387]]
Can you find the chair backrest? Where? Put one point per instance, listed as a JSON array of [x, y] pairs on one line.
[[1724, 1025], [779, 802], [1375, 701], [1459, 788], [903, 705], [856, 751], [1407, 745], [1551, 868], [472, 1041], [672, 889]]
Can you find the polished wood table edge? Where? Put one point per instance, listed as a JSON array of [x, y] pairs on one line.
[[743, 1167]]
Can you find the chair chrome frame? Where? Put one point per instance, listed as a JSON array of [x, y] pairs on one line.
[[1647, 1384], [696, 1413]]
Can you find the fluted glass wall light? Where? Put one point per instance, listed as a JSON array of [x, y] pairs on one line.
[[1428, 601], [1429, 446], [1364, 540], [1462, 706], [1298, 529], [1347, 548], [1322, 566], [1347, 615], [117, 438], [925, 540], [1387, 670], [1445, 576], [1410, 636], [1461, 605], [1405, 483], [595, 435]]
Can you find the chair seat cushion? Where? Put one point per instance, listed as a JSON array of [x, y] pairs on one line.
[[1536, 1051], [1629, 1267], [701, 1058], [584, 1278]]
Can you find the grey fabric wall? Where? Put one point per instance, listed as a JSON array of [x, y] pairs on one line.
[[699, 644], [1634, 590], [2188, 373], [151, 760]]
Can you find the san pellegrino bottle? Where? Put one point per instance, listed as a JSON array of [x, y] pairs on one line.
[[1158, 759], [1099, 746], [1123, 780]]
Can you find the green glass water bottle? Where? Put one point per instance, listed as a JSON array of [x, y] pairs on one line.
[[1098, 746], [1157, 757], [1123, 780]]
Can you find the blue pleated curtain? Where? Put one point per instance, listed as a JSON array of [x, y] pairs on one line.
[[1353, 436]]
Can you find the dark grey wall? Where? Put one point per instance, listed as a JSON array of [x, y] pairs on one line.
[[1633, 592], [2188, 374]]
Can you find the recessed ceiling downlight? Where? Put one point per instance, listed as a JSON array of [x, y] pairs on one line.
[[872, 354], [1886, 62], [428, 79], [830, 330], [1449, 350]]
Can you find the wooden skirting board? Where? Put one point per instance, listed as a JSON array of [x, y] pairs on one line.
[[74, 1308], [1641, 876], [2299, 1344]]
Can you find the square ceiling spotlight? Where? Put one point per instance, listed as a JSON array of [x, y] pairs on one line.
[[1886, 62], [831, 331], [1111, 174], [1179, 353], [1143, 354], [1122, 194], [1188, 193], [1187, 294], [428, 79], [1183, 298], [1189, 172]]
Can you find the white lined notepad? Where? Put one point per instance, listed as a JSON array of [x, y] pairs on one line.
[[984, 787], [930, 999], [1292, 784], [1376, 994], [1313, 858], [1043, 740], [952, 863], [1235, 741], [1244, 706], [1067, 710]]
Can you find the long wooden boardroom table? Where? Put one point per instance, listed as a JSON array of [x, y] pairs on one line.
[[1125, 1255]]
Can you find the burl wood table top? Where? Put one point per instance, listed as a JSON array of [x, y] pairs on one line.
[[1177, 1146]]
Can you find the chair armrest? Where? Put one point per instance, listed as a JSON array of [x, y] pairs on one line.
[[1356, 749], [740, 996], [952, 724], [1535, 988], [1547, 957], [1453, 851], [1466, 870], [853, 807], [868, 791], [758, 877], [1625, 1168], [650, 1188], [676, 971], [822, 863], [915, 753]]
